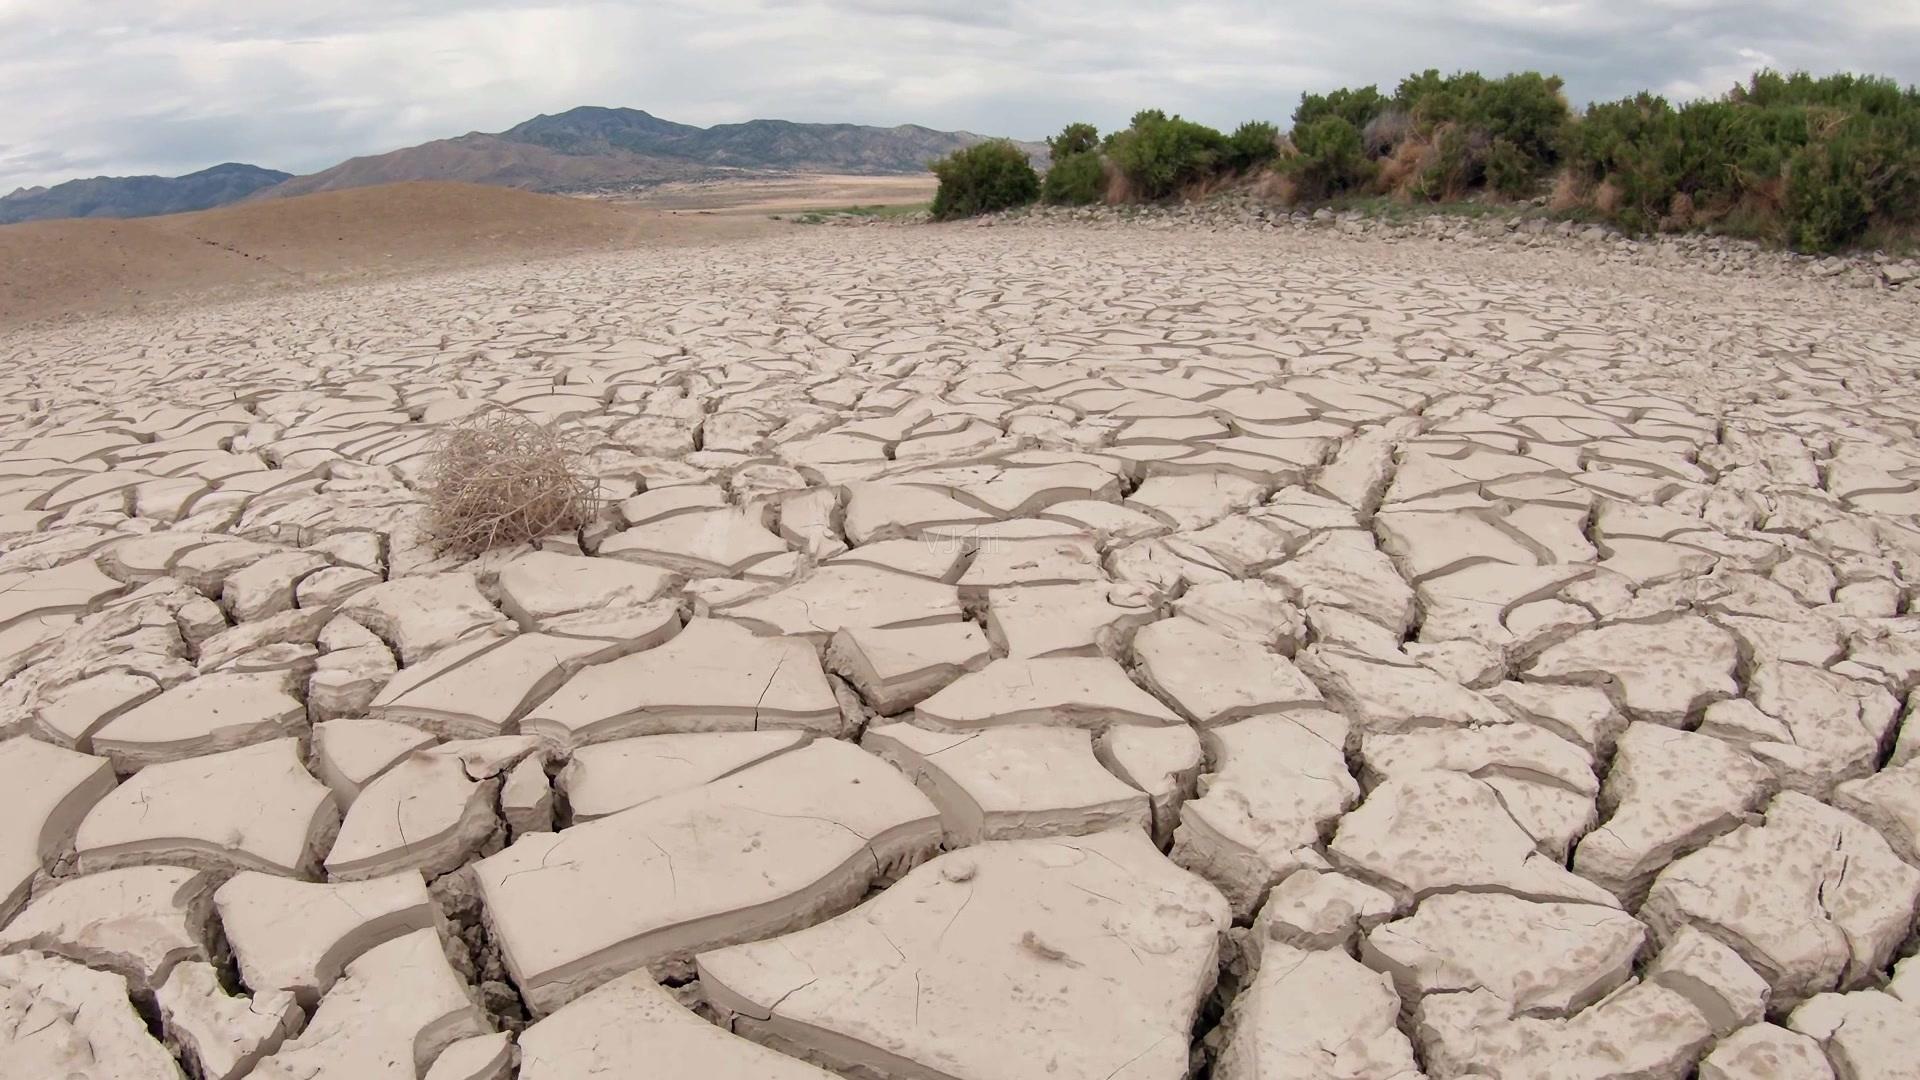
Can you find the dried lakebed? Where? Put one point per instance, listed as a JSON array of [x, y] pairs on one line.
[[1020, 652]]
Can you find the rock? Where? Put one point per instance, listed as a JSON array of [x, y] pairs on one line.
[[298, 936], [608, 777], [1088, 692], [1643, 1030], [1867, 1036], [1428, 832], [224, 1037], [1210, 677], [1706, 972], [1314, 1014], [1666, 672], [1280, 782], [1118, 947], [1766, 1052], [254, 808], [1668, 793], [49, 791], [713, 676], [897, 669], [619, 1031], [397, 1007], [784, 843], [137, 922], [1813, 900], [1551, 959], [59, 1019], [1007, 783], [203, 716]]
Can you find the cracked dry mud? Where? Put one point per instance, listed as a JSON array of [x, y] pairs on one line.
[[1031, 652]]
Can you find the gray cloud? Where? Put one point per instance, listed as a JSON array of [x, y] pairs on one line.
[[168, 86]]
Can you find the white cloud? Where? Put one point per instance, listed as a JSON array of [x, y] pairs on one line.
[[106, 86]]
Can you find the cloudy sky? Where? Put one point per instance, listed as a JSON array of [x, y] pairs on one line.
[[168, 86]]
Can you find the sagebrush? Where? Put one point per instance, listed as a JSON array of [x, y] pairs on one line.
[[497, 479]]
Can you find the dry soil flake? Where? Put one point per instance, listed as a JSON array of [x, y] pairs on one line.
[[628, 1028], [777, 846], [1072, 958], [60, 1019], [1813, 899]]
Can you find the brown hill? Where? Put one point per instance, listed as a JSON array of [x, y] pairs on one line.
[[52, 269], [490, 159]]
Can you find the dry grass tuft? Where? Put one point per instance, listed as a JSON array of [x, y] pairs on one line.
[[1566, 193], [497, 479]]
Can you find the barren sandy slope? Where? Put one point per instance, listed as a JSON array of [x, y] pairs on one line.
[[1029, 652], [76, 268]]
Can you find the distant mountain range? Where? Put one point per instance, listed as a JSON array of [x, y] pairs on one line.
[[586, 149], [138, 196]]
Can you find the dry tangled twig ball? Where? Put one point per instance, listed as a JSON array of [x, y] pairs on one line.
[[497, 479]]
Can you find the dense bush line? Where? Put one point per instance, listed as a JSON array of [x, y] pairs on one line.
[[1816, 163]]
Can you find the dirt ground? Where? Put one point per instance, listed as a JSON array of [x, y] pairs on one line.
[[64, 270], [784, 194]]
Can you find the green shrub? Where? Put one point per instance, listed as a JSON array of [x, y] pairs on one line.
[[1330, 158], [1251, 145], [1158, 153], [1510, 171], [1357, 107], [983, 178], [1075, 180], [1819, 162], [1074, 139]]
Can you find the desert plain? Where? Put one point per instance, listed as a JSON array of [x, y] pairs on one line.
[[1063, 649]]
